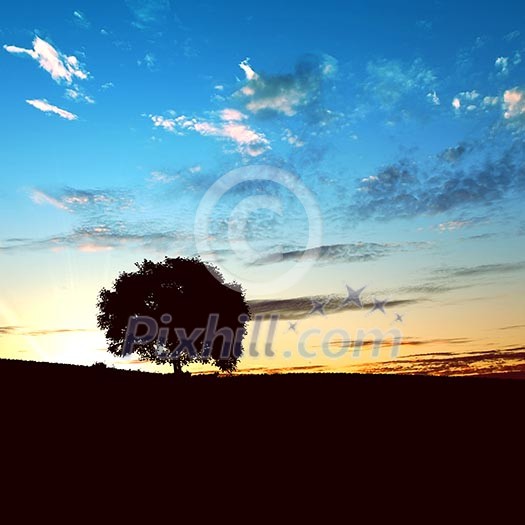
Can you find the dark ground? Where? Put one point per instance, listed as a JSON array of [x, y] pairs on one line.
[[62, 396], [106, 430]]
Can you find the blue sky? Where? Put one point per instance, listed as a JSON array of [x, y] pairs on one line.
[[405, 122]]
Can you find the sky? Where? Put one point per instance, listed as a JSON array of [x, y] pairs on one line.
[[357, 166]]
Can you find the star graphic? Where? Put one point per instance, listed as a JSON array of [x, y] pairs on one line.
[[292, 327], [399, 318], [317, 306], [353, 296], [379, 305]]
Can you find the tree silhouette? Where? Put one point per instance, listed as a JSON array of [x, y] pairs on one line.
[[178, 293]]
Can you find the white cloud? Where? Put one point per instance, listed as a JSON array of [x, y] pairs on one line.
[[453, 225], [248, 71], [148, 61], [433, 97], [161, 122], [248, 141], [286, 94], [78, 95], [81, 19], [292, 139], [466, 100], [285, 103], [490, 101], [39, 197], [469, 95], [61, 67], [502, 64], [160, 176], [44, 106], [514, 103], [229, 115]]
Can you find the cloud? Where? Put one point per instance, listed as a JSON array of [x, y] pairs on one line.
[[94, 239], [269, 95], [292, 139], [78, 95], [403, 190], [148, 13], [248, 71], [46, 107], [477, 363], [513, 327], [61, 67], [39, 197], [300, 307], [248, 141], [230, 115], [502, 65], [160, 176], [490, 101], [72, 200], [149, 61], [514, 103], [513, 35], [164, 123], [453, 225], [391, 81], [455, 153], [472, 101], [467, 101], [81, 20], [18, 330], [433, 98], [351, 252], [480, 270]]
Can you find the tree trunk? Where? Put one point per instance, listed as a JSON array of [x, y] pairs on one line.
[[177, 368]]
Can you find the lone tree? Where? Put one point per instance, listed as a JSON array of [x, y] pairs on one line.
[[192, 314]]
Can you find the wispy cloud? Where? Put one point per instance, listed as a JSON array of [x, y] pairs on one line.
[[480, 270], [46, 107], [71, 199], [81, 19], [61, 67], [101, 238], [18, 330], [390, 81], [477, 363], [352, 252], [149, 61], [148, 13], [247, 140], [300, 307], [77, 94]]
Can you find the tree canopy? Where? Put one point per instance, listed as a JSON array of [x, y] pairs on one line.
[[183, 297]]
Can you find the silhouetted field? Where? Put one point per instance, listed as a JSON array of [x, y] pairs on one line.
[[53, 391], [107, 421]]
